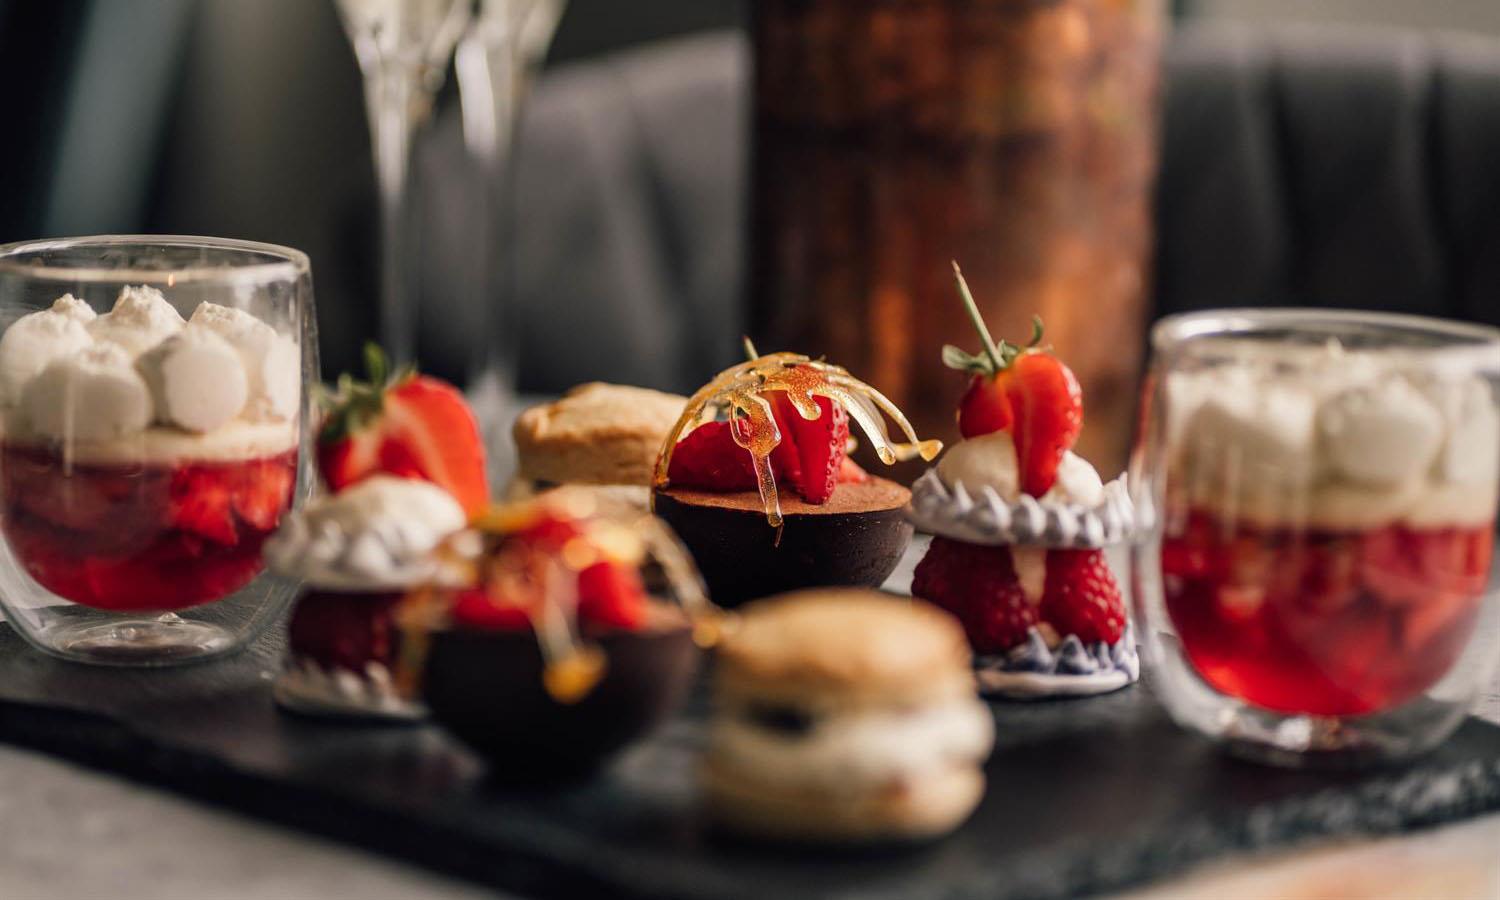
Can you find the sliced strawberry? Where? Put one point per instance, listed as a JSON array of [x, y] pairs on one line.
[[548, 532], [851, 473], [610, 595], [1048, 406], [820, 446], [412, 426], [200, 504], [984, 408], [473, 608], [263, 493], [1025, 390], [709, 459], [1082, 597], [979, 586], [786, 461]]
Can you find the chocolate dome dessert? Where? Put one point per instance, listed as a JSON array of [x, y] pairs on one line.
[[756, 480]]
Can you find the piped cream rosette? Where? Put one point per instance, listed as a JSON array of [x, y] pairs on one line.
[[973, 495]]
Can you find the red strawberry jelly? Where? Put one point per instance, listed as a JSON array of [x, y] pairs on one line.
[[141, 537], [1323, 622]]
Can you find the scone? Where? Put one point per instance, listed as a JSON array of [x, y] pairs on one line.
[[845, 716], [601, 434]]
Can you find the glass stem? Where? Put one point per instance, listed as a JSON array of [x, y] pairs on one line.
[[388, 95]]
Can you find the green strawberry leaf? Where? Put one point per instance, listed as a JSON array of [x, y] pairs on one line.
[[963, 361]]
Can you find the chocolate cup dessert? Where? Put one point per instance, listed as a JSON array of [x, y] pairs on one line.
[[486, 688], [855, 539]]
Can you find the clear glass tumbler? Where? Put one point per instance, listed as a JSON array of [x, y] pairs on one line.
[[154, 395], [1320, 489]]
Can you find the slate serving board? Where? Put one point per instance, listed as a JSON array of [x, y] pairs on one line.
[[1084, 795]]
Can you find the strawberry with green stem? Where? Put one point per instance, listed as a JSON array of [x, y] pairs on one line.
[[811, 456], [403, 424], [1023, 390]]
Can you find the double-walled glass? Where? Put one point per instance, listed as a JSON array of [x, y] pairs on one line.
[[1321, 493], [151, 441]]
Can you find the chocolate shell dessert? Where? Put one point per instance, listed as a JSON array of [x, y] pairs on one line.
[[856, 538], [757, 481], [524, 731], [574, 631]]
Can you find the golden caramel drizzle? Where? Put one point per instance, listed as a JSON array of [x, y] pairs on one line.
[[737, 393], [544, 586]]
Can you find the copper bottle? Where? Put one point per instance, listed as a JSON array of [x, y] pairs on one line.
[[1015, 136]]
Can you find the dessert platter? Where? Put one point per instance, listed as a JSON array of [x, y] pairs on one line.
[[669, 662]]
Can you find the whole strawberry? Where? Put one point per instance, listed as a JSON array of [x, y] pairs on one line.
[[403, 424], [978, 585], [1024, 390], [1082, 596]]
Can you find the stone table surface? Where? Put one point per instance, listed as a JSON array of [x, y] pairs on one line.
[[68, 832]]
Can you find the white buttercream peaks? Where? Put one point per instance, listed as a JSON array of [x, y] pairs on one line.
[[141, 319], [36, 339], [273, 364], [225, 366], [377, 535], [90, 395], [1380, 434], [196, 380], [71, 307], [1333, 437]]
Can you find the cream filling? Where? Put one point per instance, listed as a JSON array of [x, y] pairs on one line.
[[989, 461], [1346, 441], [376, 535], [858, 750], [236, 440]]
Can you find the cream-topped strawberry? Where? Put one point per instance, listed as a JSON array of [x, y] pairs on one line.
[[1025, 391], [1020, 523], [403, 424]]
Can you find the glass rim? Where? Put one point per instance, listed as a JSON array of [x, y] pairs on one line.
[[1481, 343], [292, 264]]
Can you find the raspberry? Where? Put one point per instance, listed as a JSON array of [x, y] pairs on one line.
[[978, 585], [1082, 597]]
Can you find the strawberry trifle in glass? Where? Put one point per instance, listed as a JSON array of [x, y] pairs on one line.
[[1324, 488], [145, 457], [1020, 529], [153, 405]]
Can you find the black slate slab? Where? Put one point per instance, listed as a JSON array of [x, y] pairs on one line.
[[1084, 795]]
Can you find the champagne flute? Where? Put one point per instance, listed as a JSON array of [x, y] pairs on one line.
[[403, 48]]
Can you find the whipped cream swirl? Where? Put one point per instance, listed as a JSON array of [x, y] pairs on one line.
[[378, 535]]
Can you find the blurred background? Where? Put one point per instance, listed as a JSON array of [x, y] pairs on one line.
[[1338, 152]]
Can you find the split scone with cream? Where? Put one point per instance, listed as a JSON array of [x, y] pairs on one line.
[[845, 716]]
